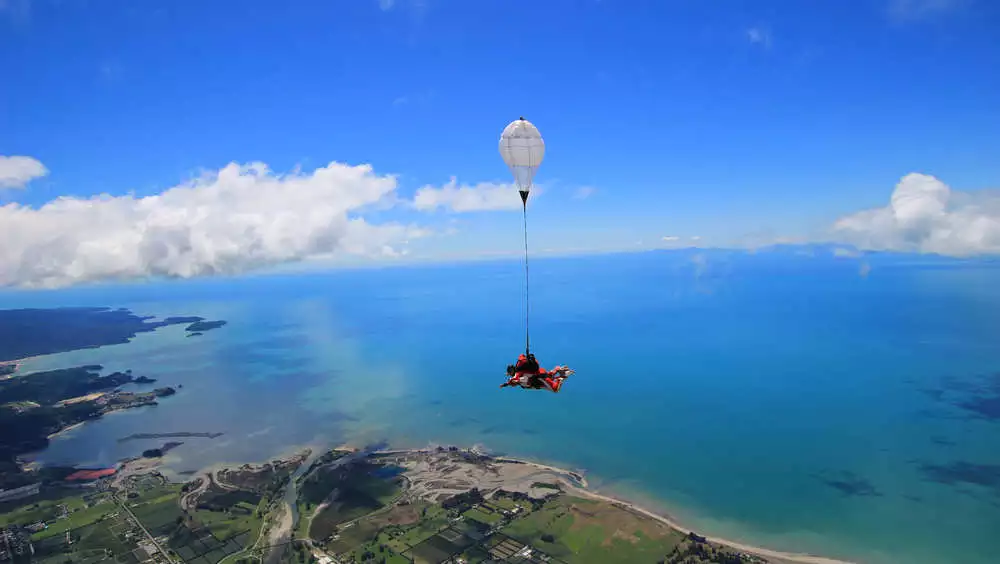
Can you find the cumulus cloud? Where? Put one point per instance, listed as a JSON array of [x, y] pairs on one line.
[[457, 197], [16, 172], [671, 238], [226, 222], [925, 215]]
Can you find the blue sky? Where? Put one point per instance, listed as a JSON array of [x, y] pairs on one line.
[[718, 119]]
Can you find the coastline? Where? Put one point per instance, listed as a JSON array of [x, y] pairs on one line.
[[66, 430], [573, 483], [760, 551], [576, 484]]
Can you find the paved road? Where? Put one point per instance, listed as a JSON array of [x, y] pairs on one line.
[[144, 530]]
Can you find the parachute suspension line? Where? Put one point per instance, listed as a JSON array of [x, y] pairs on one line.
[[527, 291]]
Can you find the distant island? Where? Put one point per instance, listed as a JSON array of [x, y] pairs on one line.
[[159, 452], [202, 326]]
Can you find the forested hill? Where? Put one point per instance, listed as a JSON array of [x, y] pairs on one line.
[[32, 332]]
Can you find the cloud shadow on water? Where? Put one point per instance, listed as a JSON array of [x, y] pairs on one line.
[[848, 484], [963, 472], [978, 396], [943, 441]]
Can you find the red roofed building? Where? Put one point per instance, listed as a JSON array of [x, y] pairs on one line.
[[89, 475]]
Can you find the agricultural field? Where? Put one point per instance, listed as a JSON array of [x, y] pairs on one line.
[[158, 509], [586, 531], [228, 513], [349, 491], [227, 525], [62, 508], [112, 539], [78, 518], [200, 546]]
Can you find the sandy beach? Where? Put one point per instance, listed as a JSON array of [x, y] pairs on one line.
[[775, 555], [437, 475], [67, 429]]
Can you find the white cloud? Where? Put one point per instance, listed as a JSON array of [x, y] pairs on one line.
[[584, 192], [759, 36], [925, 215], [16, 172], [465, 198], [386, 5], [696, 238], [671, 238], [227, 222]]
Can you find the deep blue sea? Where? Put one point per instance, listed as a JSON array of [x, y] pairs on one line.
[[793, 400]]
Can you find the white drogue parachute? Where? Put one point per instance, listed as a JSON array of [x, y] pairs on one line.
[[522, 148]]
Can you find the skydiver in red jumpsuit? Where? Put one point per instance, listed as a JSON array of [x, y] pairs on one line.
[[529, 375]]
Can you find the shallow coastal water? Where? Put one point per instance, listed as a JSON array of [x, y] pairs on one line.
[[776, 399]]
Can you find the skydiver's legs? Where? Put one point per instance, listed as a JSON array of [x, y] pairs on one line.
[[553, 384]]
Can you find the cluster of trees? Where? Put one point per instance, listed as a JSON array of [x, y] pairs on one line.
[[302, 554], [464, 501], [51, 386], [228, 501], [164, 392], [369, 556], [696, 552], [275, 486], [536, 504], [34, 332]]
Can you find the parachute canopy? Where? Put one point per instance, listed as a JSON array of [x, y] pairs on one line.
[[522, 148]]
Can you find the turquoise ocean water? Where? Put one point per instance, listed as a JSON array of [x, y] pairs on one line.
[[790, 401]]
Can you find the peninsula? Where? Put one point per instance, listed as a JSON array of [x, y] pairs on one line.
[[32, 332], [35, 406]]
